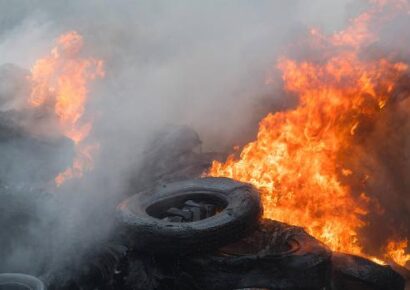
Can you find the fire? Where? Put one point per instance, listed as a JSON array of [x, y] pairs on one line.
[[60, 80], [297, 158], [397, 252]]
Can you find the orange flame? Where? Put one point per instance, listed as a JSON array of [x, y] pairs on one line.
[[296, 160], [397, 252], [61, 80]]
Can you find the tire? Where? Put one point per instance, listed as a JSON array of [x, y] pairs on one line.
[[353, 272], [146, 231], [275, 256], [101, 267], [14, 281]]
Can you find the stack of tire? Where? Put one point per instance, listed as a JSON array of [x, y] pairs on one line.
[[233, 249]]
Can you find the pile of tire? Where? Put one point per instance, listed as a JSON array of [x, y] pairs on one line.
[[208, 234], [232, 249], [174, 245]]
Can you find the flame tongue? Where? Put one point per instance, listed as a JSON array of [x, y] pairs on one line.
[[60, 80], [297, 158]]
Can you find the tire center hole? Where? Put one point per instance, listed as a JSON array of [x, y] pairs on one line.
[[187, 207]]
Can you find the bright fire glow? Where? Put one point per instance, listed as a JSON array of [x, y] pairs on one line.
[[295, 160], [397, 252], [60, 80]]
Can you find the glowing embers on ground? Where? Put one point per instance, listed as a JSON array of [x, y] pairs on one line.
[[60, 80], [297, 159]]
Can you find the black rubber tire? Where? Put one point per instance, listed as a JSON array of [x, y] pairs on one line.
[[353, 272], [305, 264], [16, 281], [144, 232], [98, 267]]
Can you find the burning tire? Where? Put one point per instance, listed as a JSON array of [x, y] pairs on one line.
[[353, 272], [275, 256], [14, 281], [190, 216]]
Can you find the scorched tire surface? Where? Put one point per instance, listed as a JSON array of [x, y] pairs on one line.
[[353, 272], [15, 281], [147, 229], [275, 256]]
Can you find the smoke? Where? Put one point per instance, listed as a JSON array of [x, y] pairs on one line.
[[197, 63]]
